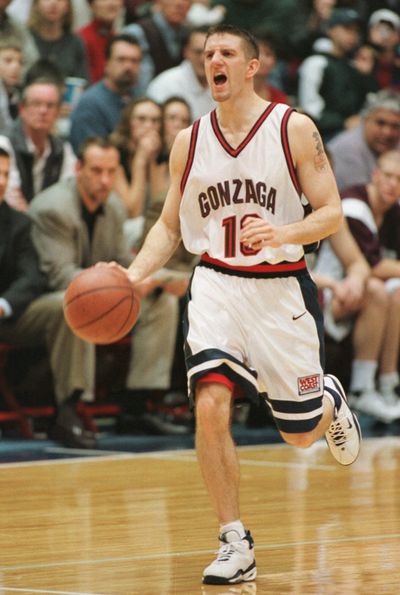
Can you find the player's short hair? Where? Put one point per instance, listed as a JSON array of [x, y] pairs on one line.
[[97, 141], [249, 41]]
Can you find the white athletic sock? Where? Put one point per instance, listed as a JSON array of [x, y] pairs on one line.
[[363, 375], [235, 526], [388, 382]]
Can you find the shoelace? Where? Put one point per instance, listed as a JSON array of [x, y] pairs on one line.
[[337, 434], [225, 552]]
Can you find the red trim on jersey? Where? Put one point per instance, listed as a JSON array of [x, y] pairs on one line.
[[263, 267], [286, 150], [218, 133], [192, 147], [218, 378]]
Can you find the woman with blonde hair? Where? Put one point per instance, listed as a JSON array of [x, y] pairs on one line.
[[138, 139], [50, 23]]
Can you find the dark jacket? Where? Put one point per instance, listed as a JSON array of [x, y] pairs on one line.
[[24, 159], [161, 56], [21, 280]]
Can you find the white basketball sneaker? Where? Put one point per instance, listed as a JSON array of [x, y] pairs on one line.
[[235, 562], [344, 434]]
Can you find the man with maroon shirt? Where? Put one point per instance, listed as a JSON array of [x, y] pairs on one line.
[[98, 33], [373, 215]]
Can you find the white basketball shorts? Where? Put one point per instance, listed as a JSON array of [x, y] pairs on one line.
[[263, 334]]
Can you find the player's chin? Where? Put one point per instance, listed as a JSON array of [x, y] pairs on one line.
[[219, 93]]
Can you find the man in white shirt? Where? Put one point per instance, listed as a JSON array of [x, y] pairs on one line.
[[188, 80]]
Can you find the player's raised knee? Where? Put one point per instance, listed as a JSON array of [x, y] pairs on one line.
[[302, 440]]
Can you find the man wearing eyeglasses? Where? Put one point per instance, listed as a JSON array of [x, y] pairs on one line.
[[355, 152], [39, 157]]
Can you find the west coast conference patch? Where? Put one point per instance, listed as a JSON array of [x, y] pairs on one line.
[[309, 384]]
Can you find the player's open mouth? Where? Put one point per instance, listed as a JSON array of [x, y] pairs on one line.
[[220, 79]]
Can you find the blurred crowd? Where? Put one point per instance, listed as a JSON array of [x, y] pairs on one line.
[[92, 96]]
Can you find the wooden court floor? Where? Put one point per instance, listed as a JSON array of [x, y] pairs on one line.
[[141, 524]]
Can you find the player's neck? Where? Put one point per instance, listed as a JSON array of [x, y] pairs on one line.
[[236, 114]]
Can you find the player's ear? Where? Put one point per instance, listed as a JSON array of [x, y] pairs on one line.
[[252, 67]]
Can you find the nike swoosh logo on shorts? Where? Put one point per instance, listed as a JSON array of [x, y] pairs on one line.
[[299, 316]]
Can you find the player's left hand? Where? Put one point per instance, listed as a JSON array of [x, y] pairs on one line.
[[258, 233]]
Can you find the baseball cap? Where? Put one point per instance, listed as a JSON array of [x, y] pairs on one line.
[[343, 16], [384, 15]]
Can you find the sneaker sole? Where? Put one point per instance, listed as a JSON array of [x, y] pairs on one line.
[[240, 577], [340, 389]]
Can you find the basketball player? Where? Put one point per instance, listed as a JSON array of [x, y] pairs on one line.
[[240, 176]]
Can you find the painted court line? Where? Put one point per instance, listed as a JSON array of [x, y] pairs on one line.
[[185, 454], [188, 554], [255, 463], [45, 591]]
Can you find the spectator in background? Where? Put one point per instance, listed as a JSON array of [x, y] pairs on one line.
[[101, 105], [79, 222], [138, 139], [144, 378], [355, 152], [188, 79], [373, 5], [30, 317], [364, 58], [97, 34], [162, 37], [331, 90], [384, 36], [41, 158], [310, 26], [275, 16], [10, 27], [134, 9], [355, 303], [267, 58], [10, 79], [373, 215], [50, 23]]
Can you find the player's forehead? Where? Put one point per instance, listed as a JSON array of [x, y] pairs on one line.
[[224, 41]]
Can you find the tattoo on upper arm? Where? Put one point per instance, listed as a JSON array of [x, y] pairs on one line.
[[320, 159]]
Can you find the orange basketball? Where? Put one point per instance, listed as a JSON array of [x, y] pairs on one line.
[[100, 305]]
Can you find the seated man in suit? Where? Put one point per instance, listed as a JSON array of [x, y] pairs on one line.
[[30, 317], [79, 222]]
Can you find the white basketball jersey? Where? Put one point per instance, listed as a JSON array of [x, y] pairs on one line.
[[222, 186]]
